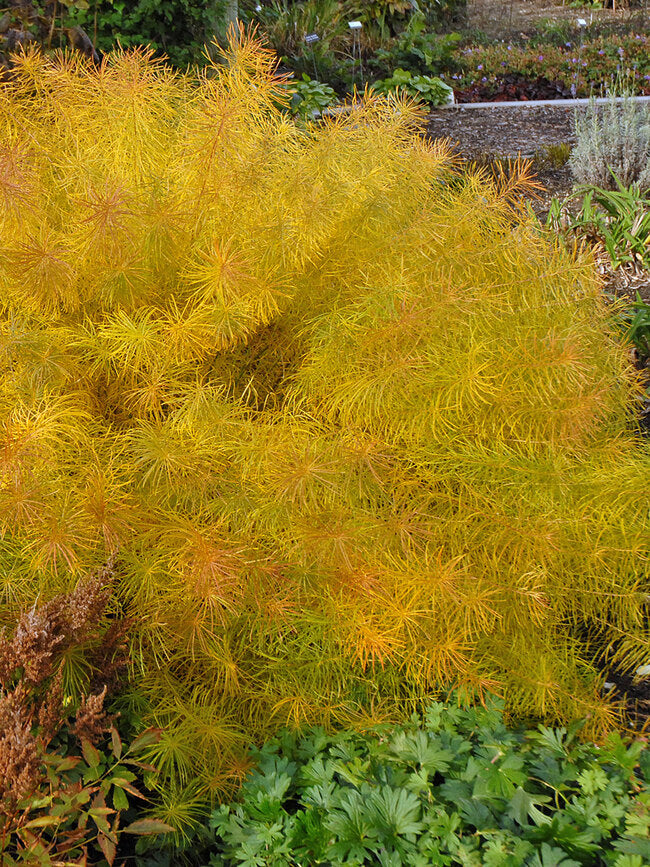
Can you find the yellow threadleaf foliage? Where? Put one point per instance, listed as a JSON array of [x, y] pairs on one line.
[[353, 429]]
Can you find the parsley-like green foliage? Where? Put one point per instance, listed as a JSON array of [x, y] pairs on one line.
[[458, 787]]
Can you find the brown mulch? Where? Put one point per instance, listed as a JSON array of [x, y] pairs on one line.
[[503, 132]]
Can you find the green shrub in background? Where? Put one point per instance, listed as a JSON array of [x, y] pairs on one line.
[[416, 50], [178, 28], [390, 17], [49, 25], [181, 28], [440, 14], [455, 788], [408, 42], [310, 97], [424, 87], [284, 26]]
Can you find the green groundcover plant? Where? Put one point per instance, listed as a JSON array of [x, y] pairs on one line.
[[309, 98], [417, 51], [350, 426], [457, 787], [424, 87]]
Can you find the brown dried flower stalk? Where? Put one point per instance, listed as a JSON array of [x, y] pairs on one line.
[[32, 712], [92, 720], [20, 763]]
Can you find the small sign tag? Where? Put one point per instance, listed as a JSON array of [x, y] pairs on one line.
[[354, 25], [311, 38]]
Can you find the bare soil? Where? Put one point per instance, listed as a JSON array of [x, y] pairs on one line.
[[504, 19], [503, 132]]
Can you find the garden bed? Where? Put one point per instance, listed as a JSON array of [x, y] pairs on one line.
[[493, 133]]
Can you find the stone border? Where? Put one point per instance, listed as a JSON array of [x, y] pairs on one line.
[[532, 103]]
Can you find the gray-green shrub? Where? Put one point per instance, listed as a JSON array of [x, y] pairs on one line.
[[613, 141]]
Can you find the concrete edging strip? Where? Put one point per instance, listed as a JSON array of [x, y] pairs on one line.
[[519, 103], [532, 103]]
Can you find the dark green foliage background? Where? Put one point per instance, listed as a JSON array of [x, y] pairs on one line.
[[180, 28], [177, 28]]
